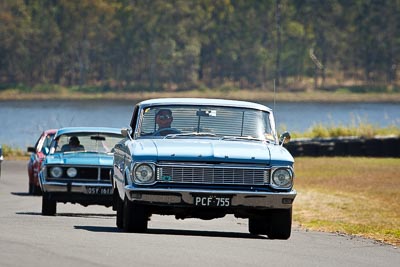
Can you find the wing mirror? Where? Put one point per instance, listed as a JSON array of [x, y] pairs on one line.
[[126, 132], [284, 138], [31, 149]]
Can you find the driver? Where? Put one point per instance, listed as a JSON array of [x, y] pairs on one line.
[[164, 119], [73, 145]]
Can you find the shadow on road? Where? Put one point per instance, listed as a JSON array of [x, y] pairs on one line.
[[106, 229], [23, 194], [77, 215]]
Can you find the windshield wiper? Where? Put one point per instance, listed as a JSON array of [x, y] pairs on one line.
[[190, 134], [250, 138], [101, 152]]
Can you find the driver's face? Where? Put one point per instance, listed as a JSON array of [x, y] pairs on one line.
[[164, 120]]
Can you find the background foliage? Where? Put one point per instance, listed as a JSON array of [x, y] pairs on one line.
[[138, 45]]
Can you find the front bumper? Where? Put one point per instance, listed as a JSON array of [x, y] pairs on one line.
[[82, 193], [185, 197], [76, 187]]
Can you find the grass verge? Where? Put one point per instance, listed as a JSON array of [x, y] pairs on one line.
[[356, 196], [250, 95], [10, 153], [360, 129]]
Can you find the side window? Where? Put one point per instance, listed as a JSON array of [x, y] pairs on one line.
[[38, 144], [134, 119], [47, 141]]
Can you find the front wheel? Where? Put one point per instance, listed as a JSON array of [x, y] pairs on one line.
[[34, 190], [49, 206], [280, 224], [30, 189], [119, 207], [135, 217], [258, 225]]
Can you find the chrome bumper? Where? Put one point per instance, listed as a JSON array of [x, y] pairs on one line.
[[269, 200], [73, 187]]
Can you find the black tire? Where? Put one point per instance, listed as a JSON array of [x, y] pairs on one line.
[[119, 206], [279, 224], [49, 206], [35, 190], [135, 217], [30, 189], [258, 225]]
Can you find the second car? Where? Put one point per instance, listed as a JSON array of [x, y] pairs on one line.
[[77, 169]]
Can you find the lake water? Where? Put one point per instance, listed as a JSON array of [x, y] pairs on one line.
[[21, 122]]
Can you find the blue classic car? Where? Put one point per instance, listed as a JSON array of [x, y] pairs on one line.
[[203, 158], [78, 166]]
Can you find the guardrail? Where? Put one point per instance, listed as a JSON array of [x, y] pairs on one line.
[[345, 146]]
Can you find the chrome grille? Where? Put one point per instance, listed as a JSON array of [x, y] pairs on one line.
[[213, 174]]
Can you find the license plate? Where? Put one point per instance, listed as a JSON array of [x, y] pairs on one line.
[[212, 201], [93, 190]]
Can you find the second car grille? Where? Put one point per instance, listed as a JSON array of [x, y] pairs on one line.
[[86, 173], [213, 174]]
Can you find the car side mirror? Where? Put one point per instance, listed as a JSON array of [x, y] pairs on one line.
[[284, 138], [31, 149], [126, 132]]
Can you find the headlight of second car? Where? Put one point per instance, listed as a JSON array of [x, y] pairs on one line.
[[143, 173], [72, 172], [282, 178], [56, 172]]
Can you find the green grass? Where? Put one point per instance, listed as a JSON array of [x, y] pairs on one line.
[[360, 129], [224, 91], [14, 153], [357, 196]]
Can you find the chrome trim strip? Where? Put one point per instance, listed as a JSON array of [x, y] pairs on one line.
[[224, 165]]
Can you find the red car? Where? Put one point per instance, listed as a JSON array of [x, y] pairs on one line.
[[39, 152]]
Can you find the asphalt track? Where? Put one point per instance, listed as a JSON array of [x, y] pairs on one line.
[[79, 236]]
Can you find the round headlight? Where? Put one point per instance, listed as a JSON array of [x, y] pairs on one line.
[[56, 172], [282, 178], [72, 172], [144, 173]]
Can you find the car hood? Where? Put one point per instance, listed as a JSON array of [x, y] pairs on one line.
[[80, 158], [209, 150]]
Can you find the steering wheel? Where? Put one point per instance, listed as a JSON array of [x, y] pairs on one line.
[[166, 131]]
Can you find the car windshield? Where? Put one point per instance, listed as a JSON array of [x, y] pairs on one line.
[[185, 121], [87, 142]]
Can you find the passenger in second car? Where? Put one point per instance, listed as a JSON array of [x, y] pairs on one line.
[[73, 145]]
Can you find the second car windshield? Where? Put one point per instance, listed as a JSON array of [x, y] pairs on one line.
[[89, 142], [208, 121]]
